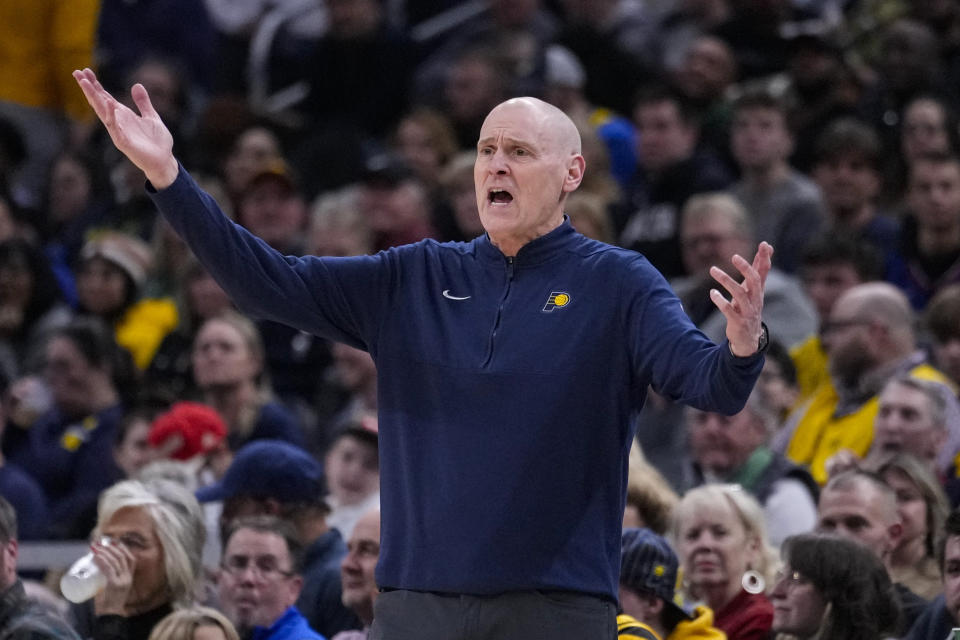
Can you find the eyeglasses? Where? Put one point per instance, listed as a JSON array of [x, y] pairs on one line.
[[790, 578], [265, 567]]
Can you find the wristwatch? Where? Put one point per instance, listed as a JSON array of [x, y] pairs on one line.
[[764, 341]]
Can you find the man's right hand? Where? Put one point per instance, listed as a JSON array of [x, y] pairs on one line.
[[143, 138]]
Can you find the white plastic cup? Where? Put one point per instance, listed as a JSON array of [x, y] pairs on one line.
[[84, 579]]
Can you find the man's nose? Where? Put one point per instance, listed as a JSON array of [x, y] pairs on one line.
[[349, 564], [893, 427], [247, 576], [498, 162], [843, 532]]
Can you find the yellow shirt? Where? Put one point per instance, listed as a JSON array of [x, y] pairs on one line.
[[820, 433]]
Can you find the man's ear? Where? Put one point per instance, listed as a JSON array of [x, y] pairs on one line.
[[656, 604], [296, 586], [575, 168]]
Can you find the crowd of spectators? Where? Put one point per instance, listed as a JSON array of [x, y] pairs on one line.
[[828, 128]]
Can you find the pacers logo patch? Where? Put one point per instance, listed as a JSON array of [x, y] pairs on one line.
[[557, 300]]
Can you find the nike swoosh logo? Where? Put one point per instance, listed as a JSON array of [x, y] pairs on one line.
[[446, 294]]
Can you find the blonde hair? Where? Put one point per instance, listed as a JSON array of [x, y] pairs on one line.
[[459, 168], [246, 328], [443, 139], [704, 206], [747, 511], [649, 492], [177, 519], [183, 623], [339, 211], [587, 209]]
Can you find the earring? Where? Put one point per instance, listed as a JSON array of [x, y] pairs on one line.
[[753, 582]]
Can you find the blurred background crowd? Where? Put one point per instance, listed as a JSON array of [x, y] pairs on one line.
[[828, 128]]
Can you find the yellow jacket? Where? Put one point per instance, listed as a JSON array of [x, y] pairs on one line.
[[810, 359], [820, 434], [629, 628], [699, 628], [41, 43], [144, 326]]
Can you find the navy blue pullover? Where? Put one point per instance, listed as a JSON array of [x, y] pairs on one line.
[[506, 388]]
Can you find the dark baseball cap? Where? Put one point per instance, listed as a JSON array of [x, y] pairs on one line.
[[269, 469], [278, 172], [649, 565]]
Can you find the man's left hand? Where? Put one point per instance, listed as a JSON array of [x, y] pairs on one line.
[[744, 309]]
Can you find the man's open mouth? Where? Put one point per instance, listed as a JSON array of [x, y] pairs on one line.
[[499, 196]]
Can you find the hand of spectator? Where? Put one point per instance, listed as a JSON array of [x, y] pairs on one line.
[[143, 138], [28, 399], [117, 564], [744, 309], [843, 460]]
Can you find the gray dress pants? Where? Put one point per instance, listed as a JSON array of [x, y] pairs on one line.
[[523, 615]]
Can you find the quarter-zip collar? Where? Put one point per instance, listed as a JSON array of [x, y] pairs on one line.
[[537, 251]]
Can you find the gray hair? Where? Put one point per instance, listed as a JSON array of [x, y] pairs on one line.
[[932, 390], [704, 206], [178, 520]]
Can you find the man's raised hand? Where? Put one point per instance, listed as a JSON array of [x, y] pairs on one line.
[[744, 309], [143, 138]]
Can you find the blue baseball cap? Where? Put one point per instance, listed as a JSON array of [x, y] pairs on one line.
[[269, 469]]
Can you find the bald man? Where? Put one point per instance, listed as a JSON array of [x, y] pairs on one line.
[[508, 368], [869, 339]]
